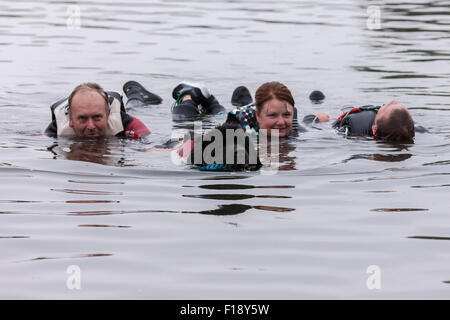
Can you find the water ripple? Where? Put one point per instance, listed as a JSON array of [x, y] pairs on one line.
[[429, 238], [398, 209], [89, 192], [77, 256]]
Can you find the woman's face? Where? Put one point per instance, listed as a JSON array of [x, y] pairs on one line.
[[276, 114]]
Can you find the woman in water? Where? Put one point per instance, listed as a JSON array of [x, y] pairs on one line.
[[274, 108], [273, 114]]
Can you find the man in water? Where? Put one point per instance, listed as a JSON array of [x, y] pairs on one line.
[[90, 112], [390, 122]]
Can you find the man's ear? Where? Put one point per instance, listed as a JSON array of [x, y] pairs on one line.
[[70, 121], [374, 130]]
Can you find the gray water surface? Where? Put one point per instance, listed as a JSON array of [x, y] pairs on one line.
[[139, 226]]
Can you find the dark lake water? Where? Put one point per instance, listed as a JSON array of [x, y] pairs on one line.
[[139, 226]]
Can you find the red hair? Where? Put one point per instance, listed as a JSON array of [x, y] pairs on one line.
[[272, 90]]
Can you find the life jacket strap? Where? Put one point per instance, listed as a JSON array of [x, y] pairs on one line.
[[356, 110]]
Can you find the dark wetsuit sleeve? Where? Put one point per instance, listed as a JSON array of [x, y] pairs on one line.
[[357, 124], [299, 128], [361, 123], [295, 124], [233, 119], [133, 127], [310, 118]]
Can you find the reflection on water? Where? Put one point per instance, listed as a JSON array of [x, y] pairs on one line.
[[100, 226], [96, 182], [14, 237], [287, 162], [239, 187], [87, 255], [381, 157], [429, 238], [92, 201], [89, 192], [114, 212], [438, 163], [398, 209], [438, 186], [276, 209], [225, 209], [95, 151], [233, 177], [233, 209], [232, 197]]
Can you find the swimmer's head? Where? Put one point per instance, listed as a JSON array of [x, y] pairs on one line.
[[89, 111], [274, 108], [316, 96], [393, 122]]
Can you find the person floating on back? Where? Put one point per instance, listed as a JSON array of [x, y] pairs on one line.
[[390, 122]]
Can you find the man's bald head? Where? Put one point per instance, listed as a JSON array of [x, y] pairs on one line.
[[89, 88]]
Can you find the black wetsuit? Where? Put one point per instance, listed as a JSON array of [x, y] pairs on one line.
[[358, 121], [189, 108]]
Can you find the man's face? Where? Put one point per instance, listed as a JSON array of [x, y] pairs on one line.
[[88, 118]]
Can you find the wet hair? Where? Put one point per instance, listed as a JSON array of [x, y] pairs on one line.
[[398, 126], [238, 146], [272, 90], [90, 86]]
